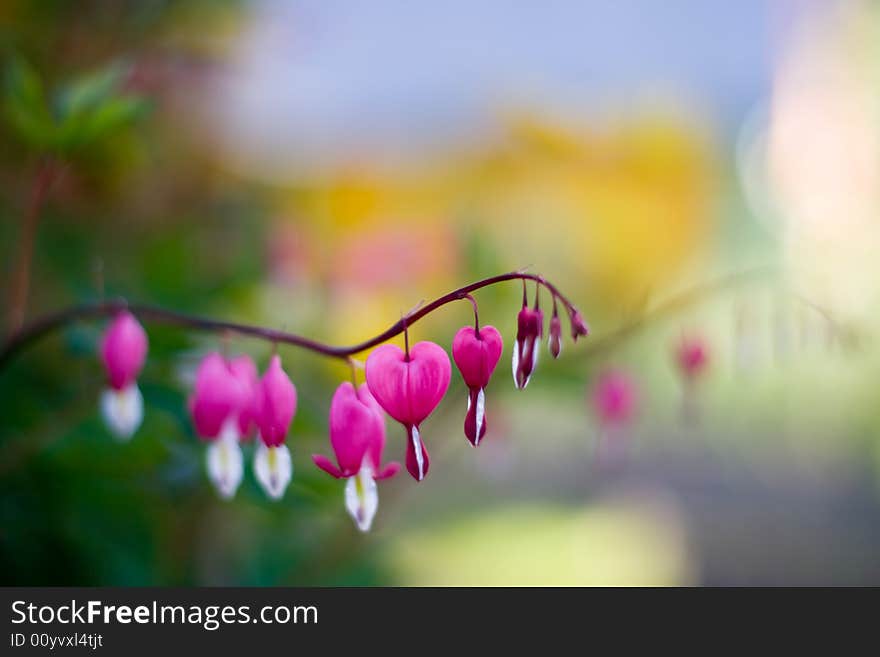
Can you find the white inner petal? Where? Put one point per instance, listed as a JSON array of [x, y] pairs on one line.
[[123, 410], [420, 458], [515, 363], [273, 469], [481, 413], [362, 497], [225, 461]]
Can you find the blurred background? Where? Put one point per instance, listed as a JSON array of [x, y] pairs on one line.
[[699, 173]]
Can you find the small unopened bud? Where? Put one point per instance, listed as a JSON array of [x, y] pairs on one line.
[[554, 341], [529, 329], [578, 326]]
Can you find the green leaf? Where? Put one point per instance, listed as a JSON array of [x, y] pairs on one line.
[[113, 114], [91, 91], [24, 103]]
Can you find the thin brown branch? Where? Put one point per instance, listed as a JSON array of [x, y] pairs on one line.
[[48, 323]]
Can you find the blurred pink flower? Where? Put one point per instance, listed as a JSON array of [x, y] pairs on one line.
[[123, 350], [692, 356], [614, 397]]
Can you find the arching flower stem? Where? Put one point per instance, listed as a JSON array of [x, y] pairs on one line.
[[48, 323]]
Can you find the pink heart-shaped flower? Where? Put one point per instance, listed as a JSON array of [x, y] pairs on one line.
[[477, 355], [357, 434], [409, 389]]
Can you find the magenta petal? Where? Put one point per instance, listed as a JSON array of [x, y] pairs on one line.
[[326, 465], [386, 372], [476, 356], [429, 374], [217, 395], [123, 350], [277, 404], [355, 428], [388, 471], [243, 368], [408, 390]]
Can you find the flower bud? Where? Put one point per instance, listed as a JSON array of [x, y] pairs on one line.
[[529, 329], [578, 326], [123, 351], [554, 341]]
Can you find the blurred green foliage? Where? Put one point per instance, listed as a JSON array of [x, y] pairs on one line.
[[77, 116]]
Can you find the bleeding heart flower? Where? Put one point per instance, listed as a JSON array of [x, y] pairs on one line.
[[529, 329], [476, 354], [224, 395], [357, 435], [692, 355], [123, 352], [614, 397], [219, 396], [243, 368], [409, 387], [275, 410], [554, 342], [578, 325]]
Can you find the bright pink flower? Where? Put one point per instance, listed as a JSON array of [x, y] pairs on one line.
[[243, 368], [357, 434], [219, 395], [123, 350], [614, 397], [529, 329], [277, 404], [476, 355], [692, 355], [409, 389]]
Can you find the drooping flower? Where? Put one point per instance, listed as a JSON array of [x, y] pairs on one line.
[[224, 393], [409, 387], [123, 351], [245, 370], [476, 353], [218, 397], [578, 325], [554, 342], [692, 356], [614, 401], [357, 435], [529, 329], [692, 359], [275, 410], [614, 397]]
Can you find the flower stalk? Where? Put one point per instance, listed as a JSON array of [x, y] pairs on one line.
[[48, 323]]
